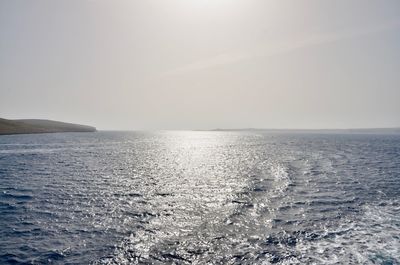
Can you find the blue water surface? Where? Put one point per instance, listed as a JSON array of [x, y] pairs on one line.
[[199, 198]]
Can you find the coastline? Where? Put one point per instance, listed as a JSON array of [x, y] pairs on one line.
[[37, 126]]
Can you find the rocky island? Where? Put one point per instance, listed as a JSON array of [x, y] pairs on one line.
[[29, 126]]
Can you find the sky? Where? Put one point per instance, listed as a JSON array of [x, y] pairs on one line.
[[202, 64]]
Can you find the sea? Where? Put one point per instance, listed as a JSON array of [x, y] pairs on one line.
[[199, 197]]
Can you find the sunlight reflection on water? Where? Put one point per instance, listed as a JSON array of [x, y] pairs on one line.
[[199, 197]]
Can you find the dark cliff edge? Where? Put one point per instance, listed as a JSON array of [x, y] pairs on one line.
[[40, 126]]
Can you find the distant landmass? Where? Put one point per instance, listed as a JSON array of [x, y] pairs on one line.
[[333, 131], [40, 126]]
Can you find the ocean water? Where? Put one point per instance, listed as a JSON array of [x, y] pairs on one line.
[[199, 198]]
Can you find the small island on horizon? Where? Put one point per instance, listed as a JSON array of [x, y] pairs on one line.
[[33, 126], [393, 130]]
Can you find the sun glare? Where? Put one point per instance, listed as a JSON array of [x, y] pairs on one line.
[[209, 3]]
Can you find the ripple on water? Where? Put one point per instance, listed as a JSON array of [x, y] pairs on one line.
[[199, 198]]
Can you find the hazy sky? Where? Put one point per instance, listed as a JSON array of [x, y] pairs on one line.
[[199, 64]]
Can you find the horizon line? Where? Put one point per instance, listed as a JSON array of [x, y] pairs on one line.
[[260, 129]]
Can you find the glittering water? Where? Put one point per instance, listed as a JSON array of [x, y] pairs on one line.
[[199, 198]]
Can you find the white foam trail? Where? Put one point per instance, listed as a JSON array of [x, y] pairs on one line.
[[371, 239], [281, 178]]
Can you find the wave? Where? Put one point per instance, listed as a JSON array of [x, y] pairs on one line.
[[371, 238], [281, 177]]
